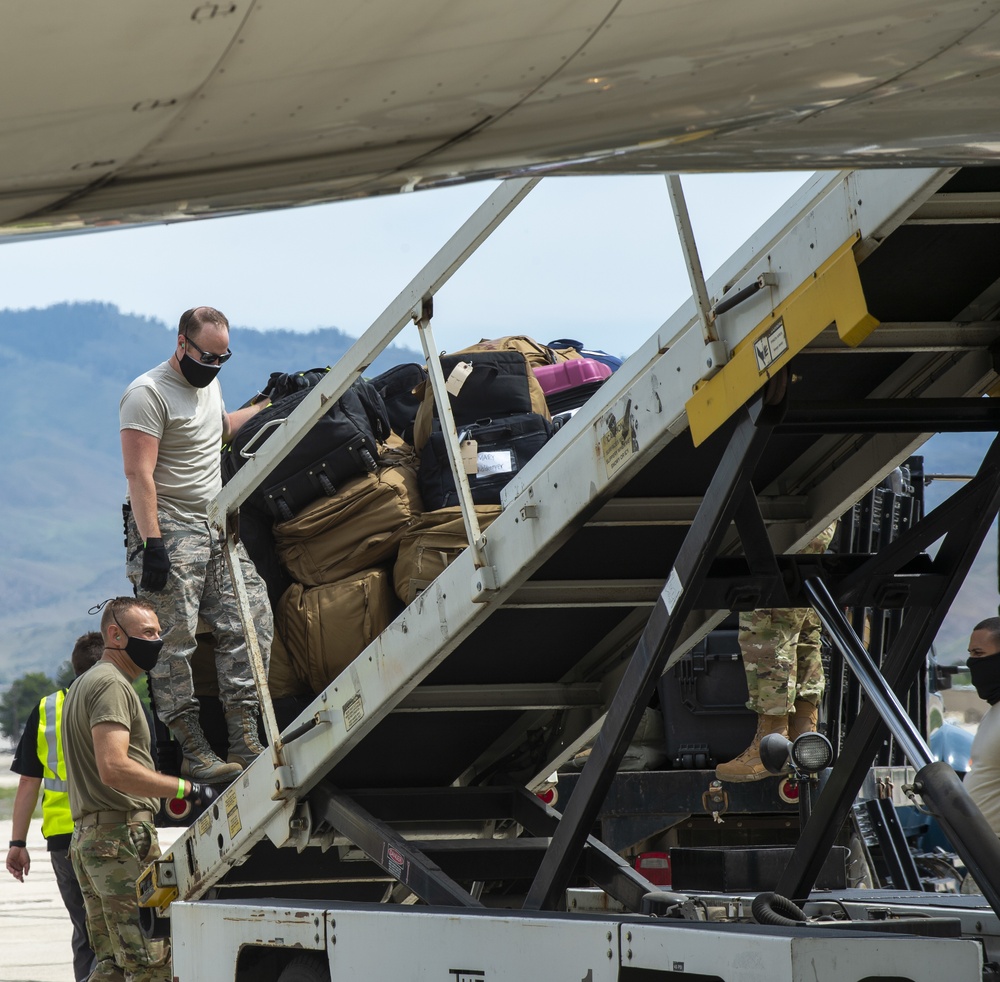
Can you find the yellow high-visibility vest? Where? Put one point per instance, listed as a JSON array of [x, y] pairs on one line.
[[56, 816]]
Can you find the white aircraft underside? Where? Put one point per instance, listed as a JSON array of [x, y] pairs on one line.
[[157, 110]]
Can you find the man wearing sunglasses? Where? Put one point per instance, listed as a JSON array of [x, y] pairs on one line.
[[173, 423]]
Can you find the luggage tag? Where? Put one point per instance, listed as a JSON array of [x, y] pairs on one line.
[[470, 456], [458, 377]]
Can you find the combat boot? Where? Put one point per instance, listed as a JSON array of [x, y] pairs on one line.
[[748, 766], [805, 720], [200, 761], [244, 739]]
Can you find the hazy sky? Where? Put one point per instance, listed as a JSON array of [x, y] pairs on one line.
[[591, 258]]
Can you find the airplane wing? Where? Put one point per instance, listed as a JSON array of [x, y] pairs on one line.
[[162, 111]]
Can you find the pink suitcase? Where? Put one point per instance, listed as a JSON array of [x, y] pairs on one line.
[[570, 384], [570, 374]]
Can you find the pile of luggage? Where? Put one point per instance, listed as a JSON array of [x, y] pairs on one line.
[[362, 514]]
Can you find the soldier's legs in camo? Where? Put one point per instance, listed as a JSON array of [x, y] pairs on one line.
[[177, 607], [108, 860], [105, 967], [220, 611], [768, 643], [189, 549], [810, 682], [237, 689]]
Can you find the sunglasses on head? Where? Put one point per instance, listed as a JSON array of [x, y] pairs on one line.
[[207, 357]]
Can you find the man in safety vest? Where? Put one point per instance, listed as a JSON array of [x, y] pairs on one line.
[[39, 761]]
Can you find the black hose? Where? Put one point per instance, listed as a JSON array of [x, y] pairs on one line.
[[778, 911], [772, 908]]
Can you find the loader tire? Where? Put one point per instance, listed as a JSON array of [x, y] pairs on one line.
[[306, 968]]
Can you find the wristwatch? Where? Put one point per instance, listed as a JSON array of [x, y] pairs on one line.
[[18, 844]]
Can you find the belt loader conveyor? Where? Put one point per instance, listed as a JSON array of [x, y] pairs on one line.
[[405, 778]]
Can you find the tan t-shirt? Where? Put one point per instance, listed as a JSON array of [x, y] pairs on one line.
[[188, 422], [983, 778], [103, 694]]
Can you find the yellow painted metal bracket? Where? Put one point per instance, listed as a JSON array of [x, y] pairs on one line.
[[832, 295], [157, 885]]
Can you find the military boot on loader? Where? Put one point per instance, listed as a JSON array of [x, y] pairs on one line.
[[805, 720], [748, 766], [244, 739], [200, 761]]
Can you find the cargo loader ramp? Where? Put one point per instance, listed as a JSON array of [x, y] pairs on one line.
[[862, 318]]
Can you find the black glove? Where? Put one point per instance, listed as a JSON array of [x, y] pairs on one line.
[[155, 565], [202, 794], [282, 384]]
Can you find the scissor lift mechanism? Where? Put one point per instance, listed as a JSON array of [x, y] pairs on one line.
[[622, 527]]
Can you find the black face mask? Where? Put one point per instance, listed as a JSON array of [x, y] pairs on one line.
[[985, 672], [197, 373], [143, 651]]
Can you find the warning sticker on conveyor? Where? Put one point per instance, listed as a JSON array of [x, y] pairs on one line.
[[672, 591], [770, 346], [395, 863], [620, 441], [354, 711], [232, 812]]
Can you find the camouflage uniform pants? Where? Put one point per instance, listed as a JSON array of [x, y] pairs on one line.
[[108, 860], [781, 651], [781, 656], [199, 587]]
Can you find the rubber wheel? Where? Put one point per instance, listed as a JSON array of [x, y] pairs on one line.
[[327, 485], [305, 968]]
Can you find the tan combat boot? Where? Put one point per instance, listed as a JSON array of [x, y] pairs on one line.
[[748, 766], [200, 761], [805, 720], [244, 739]]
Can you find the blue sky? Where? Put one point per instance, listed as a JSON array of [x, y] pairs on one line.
[[591, 258]]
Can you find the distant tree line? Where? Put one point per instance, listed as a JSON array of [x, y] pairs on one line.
[[26, 692]]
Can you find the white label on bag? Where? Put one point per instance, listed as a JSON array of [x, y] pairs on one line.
[[457, 378], [495, 462]]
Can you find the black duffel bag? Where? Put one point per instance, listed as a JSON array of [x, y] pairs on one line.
[[497, 385], [341, 445], [503, 447]]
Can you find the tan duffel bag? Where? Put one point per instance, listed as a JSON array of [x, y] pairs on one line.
[[431, 545], [536, 354], [281, 677], [326, 627], [355, 529]]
